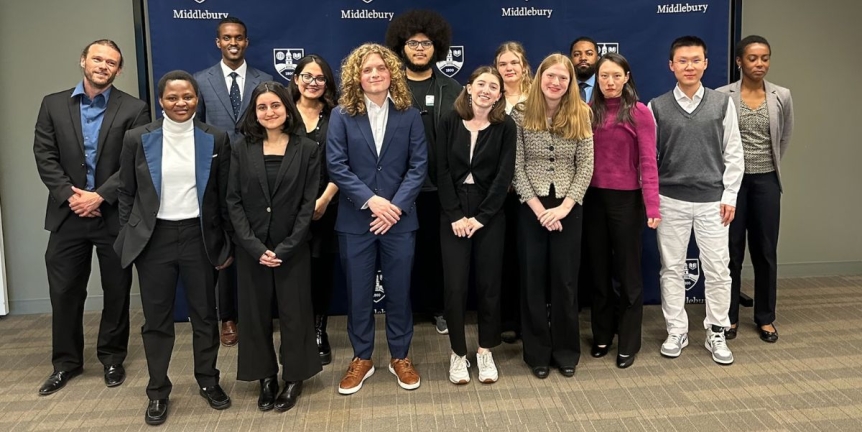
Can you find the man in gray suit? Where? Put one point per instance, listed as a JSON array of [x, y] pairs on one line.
[[224, 89]]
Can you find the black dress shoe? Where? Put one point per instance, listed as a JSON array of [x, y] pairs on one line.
[[216, 397], [58, 380], [288, 397], [540, 372], [323, 348], [598, 351], [567, 371], [268, 390], [114, 375], [730, 333], [157, 412], [624, 362], [769, 336], [510, 336]]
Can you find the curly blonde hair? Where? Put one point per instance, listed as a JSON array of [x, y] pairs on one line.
[[573, 118], [352, 97]]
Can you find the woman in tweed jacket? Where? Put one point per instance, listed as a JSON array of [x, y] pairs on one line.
[[553, 167]]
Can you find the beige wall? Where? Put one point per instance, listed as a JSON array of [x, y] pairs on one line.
[[815, 53], [815, 46]]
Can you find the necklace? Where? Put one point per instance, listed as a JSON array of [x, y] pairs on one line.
[[422, 108]]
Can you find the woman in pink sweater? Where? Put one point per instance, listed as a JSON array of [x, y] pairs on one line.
[[624, 187]]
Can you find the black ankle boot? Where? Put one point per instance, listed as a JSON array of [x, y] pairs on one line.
[[268, 392], [323, 347]]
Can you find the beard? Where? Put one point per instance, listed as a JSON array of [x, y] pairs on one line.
[[585, 74], [413, 67]]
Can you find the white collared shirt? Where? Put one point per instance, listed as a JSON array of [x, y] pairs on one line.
[[378, 116], [240, 79]]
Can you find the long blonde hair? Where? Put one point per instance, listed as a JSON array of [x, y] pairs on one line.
[[572, 120], [353, 98], [517, 49]]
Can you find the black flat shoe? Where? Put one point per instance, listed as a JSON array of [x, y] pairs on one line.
[[769, 336], [216, 397], [598, 351], [288, 397], [114, 375], [268, 390], [730, 333], [567, 371], [58, 380], [157, 412], [541, 372], [624, 362], [510, 336]]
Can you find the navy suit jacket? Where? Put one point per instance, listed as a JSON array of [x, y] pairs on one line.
[[396, 174], [141, 187], [214, 106]]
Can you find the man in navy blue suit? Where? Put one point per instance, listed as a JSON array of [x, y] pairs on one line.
[[377, 155], [224, 91]]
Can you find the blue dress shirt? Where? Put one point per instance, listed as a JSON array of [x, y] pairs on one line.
[[92, 114], [588, 90]]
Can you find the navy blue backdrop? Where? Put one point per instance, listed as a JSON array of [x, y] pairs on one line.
[[182, 36]]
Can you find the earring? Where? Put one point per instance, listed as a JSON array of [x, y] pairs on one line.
[[469, 99]]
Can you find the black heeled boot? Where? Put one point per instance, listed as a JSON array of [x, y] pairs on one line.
[[323, 347], [268, 391]]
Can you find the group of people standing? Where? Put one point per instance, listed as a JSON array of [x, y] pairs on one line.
[[507, 184]]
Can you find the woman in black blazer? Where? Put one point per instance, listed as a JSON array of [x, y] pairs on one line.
[[314, 92], [476, 162], [274, 176]]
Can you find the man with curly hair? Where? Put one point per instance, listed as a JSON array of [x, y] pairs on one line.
[[421, 38], [377, 156]]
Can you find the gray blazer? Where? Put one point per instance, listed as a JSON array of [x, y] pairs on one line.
[[780, 107], [214, 106]]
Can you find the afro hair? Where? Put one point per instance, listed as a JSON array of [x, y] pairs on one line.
[[428, 22]]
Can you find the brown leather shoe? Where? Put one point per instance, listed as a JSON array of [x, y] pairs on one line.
[[407, 376], [358, 371], [228, 334]]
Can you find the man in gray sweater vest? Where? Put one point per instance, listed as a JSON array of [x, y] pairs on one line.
[[700, 166]]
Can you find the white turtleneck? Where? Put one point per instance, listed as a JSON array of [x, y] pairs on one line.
[[179, 196]]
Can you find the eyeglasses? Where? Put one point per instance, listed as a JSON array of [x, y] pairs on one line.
[[415, 43], [686, 62], [309, 78]]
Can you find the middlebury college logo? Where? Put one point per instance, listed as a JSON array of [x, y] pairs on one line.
[[608, 47], [454, 61], [692, 272], [284, 60], [379, 293]]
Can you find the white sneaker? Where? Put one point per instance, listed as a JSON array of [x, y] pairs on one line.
[[673, 345], [717, 345], [487, 368], [458, 369]]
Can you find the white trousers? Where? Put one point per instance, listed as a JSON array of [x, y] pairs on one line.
[[673, 234]]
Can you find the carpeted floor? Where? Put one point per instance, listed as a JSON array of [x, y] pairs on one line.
[[810, 380]]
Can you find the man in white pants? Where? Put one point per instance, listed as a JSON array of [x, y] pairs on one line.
[[700, 162]]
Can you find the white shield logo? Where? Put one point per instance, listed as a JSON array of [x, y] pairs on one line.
[[199, 1], [284, 60], [454, 61], [608, 47], [692, 273]]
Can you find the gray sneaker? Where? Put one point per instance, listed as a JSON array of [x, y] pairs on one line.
[[717, 345], [440, 324], [673, 345]]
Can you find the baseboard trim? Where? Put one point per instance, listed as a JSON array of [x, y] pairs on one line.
[[43, 305]]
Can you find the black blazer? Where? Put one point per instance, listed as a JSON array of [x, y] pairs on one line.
[[282, 216], [140, 186], [322, 127], [493, 165], [59, 150]]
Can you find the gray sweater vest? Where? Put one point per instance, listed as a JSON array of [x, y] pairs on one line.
[[691, 147]]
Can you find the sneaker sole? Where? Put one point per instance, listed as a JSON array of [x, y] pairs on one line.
[[461, 382], [669, 355], [350, 391], [489, 380], [402, 384], [443, 332], [716, 359]]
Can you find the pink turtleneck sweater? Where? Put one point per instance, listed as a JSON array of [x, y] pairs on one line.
[[625, 156]]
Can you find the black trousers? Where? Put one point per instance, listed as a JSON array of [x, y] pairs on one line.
[[427, 278], [613, 250], [68, 260], [324, 253], [510, 300], [758, 213], [484, 251], [549, 274], [176, 251], [227, 294], [288, 286]]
